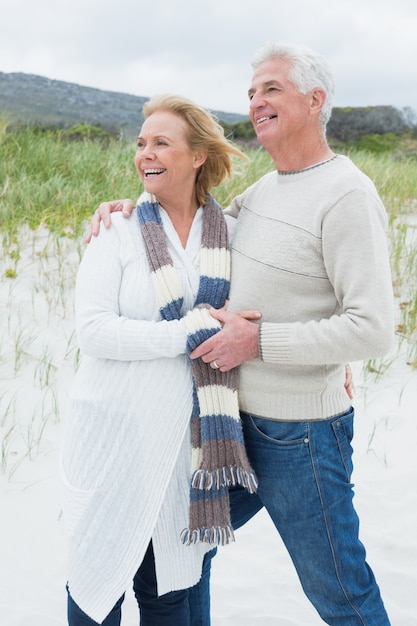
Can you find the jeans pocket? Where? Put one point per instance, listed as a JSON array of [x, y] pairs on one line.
[[283, 433], [343, 431]]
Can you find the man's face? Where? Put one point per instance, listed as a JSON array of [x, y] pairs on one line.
[[277, 110]]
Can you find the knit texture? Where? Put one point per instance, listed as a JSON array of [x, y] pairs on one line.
[[218, 454], [126, 446], [310, 251]]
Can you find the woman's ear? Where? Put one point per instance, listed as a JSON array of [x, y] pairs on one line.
[[199, 158]]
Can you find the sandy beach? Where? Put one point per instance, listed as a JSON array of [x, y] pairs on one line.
[[253, 580]]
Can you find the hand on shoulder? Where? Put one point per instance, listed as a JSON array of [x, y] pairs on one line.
[[102, 213]]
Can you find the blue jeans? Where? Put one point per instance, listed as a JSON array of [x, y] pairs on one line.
[[166, 610], [304, 472]]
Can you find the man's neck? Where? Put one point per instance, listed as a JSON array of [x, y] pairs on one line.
[[292, 160]]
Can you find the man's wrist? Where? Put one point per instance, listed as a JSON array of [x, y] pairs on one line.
[[259, 340]]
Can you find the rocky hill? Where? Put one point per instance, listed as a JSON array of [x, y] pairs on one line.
[[351, 122], [32, 99]]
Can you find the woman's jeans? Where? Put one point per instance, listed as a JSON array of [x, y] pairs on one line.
[[166, 610], [304, 471]]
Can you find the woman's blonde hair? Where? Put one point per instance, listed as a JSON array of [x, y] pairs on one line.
[[203, 133]]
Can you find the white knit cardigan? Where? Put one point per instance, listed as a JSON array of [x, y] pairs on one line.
[[126, 451]]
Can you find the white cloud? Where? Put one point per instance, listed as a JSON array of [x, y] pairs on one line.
[[204, 52]]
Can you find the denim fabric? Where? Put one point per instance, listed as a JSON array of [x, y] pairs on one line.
[[171, 608], [199, 595], [166, 610], [304, 472], [77, 617]]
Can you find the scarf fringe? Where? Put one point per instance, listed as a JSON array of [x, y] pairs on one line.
[[224, 477], [215, 535]]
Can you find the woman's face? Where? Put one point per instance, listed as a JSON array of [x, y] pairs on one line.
[[165, 163]]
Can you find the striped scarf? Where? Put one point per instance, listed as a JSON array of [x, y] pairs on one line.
[[218, 457]]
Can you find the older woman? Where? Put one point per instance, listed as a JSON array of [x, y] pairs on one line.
[[142, 297]]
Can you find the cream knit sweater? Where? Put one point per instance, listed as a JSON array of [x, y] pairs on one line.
[[310, 252], [126, 450]]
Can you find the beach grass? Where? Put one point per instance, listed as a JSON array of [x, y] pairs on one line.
[[48, 178]]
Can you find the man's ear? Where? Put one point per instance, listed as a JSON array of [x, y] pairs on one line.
[[317, 100]]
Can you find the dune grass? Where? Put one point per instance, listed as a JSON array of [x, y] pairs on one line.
[[394, 177], [50, 184], [47, 179]]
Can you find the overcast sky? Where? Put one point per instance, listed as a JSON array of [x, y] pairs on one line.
[[203, 50]]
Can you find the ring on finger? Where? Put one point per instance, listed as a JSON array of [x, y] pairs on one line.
[[215, 365]]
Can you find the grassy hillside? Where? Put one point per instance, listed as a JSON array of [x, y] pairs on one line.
[[59, 177]]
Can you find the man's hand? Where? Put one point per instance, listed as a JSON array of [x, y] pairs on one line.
[[126, 206], [235, 343]]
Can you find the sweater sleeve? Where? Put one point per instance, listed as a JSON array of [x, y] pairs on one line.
[[356, 258], [102, 331]]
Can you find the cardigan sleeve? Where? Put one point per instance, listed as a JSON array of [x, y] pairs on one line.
[[356, 258], [102, 331]]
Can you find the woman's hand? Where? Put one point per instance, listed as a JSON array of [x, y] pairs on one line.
[[102, 213], [248, 314], [349, 381]]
